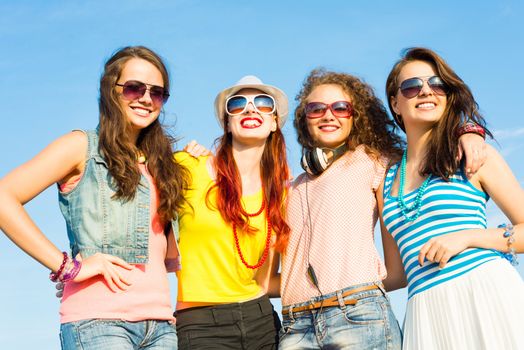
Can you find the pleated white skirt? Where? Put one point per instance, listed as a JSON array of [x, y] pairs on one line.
[[482, 309]]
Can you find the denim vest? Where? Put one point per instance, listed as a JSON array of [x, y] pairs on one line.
[[96, 222]]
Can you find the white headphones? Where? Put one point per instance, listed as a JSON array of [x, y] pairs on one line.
[[317, 160]]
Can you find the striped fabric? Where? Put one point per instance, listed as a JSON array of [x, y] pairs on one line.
[[446, 207]]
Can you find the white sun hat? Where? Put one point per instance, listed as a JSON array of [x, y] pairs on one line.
[[252, 82]]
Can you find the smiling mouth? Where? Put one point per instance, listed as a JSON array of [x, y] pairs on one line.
[[143, 112], [426, 105], [251, 123], [328, 128]]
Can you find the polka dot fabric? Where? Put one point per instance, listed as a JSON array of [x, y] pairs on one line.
[[342, 214]]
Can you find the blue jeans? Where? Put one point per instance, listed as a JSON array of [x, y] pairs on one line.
[[97, 334], [369, 324]]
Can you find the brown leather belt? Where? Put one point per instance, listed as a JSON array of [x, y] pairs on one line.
[[332, 301]]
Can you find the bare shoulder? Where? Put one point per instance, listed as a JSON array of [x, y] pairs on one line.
[[493, 160], [58, 161], [492, 151], [68, 152], [73, 141], [76, 139], [72, 145], [495, 169]]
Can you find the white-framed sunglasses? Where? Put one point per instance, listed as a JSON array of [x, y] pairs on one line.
[[237, 104]]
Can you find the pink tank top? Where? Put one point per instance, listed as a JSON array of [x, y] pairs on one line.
[[147, 298]]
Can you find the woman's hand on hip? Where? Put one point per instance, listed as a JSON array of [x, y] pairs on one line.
[[105, 265]]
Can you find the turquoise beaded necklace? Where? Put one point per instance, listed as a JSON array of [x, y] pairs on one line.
[[417, 204]]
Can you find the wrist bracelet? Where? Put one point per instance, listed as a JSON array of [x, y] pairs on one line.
[[72, 271], [511, 255], [55, 276], [471, 127]]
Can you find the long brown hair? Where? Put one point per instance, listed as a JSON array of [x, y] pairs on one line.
[[120, 152], [442, 145], [372, 126], [274, 174]]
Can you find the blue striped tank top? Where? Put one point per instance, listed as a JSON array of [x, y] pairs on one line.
[[446, 207]]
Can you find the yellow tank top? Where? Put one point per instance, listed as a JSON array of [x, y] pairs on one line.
[[212, 271]]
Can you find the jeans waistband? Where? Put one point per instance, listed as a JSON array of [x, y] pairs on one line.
[[225, 313], [360, 291]]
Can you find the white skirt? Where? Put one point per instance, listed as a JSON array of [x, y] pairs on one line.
[[482, 309]]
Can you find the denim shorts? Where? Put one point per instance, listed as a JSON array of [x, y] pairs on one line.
[[97, 334], [369, 324], [250, 325]]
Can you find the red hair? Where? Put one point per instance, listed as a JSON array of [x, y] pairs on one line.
[[274, 174]]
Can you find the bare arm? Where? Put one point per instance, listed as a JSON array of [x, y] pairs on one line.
[[50, 166], [473, 148], [267, 275], [63, 157], [497, 180], [171, 260], [396, 277]]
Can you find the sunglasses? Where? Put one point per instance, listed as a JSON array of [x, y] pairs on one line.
[[340, 109], [237, 104], [134, 89], [411, 87]]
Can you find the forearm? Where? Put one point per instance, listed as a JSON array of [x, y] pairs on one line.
[[267, 276], [270, 285], [493, 238], [395, 280], [396, 276], [273, 289], [19, 228]]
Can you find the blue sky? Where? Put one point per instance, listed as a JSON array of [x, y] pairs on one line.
[[53, 53]]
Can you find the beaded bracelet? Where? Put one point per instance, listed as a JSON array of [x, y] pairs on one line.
[[511, 255], [72, 271], [55, 276], [471, 127]]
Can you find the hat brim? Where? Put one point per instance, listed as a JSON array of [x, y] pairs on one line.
[[280, 97]]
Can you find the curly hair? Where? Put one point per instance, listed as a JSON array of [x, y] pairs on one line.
[[372, 127], [442, 145], [120, 152]]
